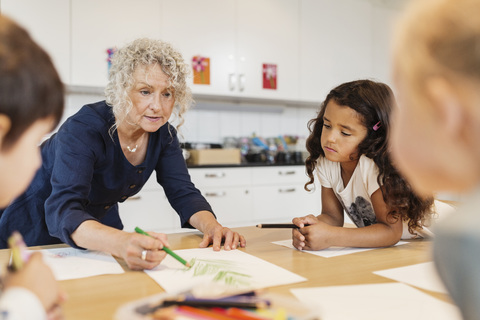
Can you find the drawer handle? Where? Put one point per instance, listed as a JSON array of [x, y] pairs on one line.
[[286, 173], [288, 190], [136, 197], [241, 82], [215, 175], [232, 83], [215, 194]]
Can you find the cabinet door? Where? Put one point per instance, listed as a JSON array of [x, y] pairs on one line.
[[335, 45], [219, 177], [282, 203], [232, 205], [205, 28], [278, 175], [268, 33], [150, 210], [98, 25], [48, 22]]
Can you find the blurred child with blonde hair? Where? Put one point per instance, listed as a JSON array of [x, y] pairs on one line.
[[436, 131]]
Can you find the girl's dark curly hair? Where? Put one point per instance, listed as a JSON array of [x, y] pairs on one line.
[[373, 101]]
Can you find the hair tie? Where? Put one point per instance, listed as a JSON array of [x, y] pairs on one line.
[[377, 126]]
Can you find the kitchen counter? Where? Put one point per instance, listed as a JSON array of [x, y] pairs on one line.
[[245, 165]]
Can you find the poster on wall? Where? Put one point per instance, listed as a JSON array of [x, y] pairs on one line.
[[110, 52], [201, 70], [269, 76]]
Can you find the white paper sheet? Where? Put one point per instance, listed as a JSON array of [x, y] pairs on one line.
[[71, 263], [422, 275], [392, 301], [223, 270], [332, 251]]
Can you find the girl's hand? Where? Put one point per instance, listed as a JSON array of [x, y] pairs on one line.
[[313, 237], [216, 233], [303, 221], [37, 277], [135, 244]]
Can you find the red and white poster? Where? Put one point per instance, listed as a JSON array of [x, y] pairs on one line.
[[269, 76]]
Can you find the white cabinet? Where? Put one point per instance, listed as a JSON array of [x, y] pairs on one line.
[[101, 25], [336, 40], [268, 33], [149, 210], [205, 28], [279, 196], [238, 36], [228, 192], [238, 196], [48, 22]]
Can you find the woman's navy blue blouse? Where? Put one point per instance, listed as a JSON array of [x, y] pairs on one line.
[[85, 174]]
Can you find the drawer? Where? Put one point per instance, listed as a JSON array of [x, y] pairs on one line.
[[278, 175], [150, 210], [283, 203], [214, 177], [232, 205]]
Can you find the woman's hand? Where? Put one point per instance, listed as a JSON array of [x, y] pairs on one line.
[[37, 277], [304, 221], [217, 233], [214, 232], [143, 252], [314, 237]]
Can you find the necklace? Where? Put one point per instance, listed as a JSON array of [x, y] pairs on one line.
[[132, 149]]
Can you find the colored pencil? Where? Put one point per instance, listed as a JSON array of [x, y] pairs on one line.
[[202, 313], [237, 302], [167, 250], [277, 225]]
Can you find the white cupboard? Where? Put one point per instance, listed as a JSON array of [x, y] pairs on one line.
[[101, 25], [336, 40], [315, 44], [238, 196], [239, 37], [48, 22]]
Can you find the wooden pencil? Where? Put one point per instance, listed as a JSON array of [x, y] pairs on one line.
[[277, 225]]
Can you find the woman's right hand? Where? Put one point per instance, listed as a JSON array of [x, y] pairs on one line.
[[134, 244], [304, 221], [37, 277]]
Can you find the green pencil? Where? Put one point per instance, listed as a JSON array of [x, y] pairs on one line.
[[167, 250]]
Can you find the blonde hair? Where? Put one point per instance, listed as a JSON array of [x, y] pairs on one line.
[[438, 38], [143, 53]]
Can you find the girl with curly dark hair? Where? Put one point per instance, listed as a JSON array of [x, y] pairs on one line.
[[350, 156]]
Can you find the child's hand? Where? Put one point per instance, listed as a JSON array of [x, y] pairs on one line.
[[304, 221], [313, 237], [37, 277]]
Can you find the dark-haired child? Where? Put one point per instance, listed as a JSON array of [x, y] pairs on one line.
[[350, 156], [31, 105]]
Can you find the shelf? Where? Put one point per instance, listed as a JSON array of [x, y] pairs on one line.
[[205, 101]]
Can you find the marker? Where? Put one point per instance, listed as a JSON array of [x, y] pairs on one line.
[[277, 225], [167, 250]]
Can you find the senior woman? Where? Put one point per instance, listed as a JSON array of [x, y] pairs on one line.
[[106, 152]]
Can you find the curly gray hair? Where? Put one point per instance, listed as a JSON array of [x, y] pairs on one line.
[[145, 52]]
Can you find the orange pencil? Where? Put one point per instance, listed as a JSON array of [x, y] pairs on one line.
[[241, 314], [202, 313]]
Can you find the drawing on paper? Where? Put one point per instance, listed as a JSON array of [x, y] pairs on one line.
[[221, 270]]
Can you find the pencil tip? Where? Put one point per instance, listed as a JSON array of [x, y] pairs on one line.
[[259, 225], [188, 265]]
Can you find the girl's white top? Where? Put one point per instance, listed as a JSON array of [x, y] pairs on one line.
[[355, 197]]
